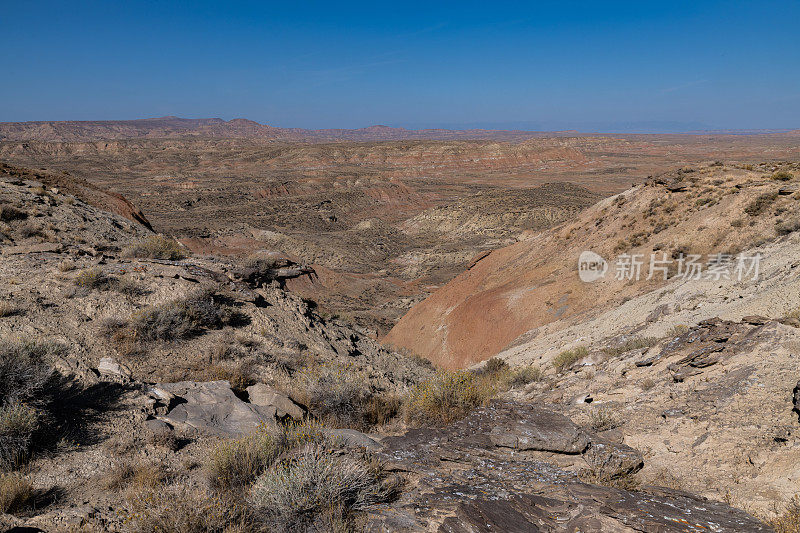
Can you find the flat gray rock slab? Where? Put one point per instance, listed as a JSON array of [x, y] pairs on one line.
[[212, 408], [541, 430]]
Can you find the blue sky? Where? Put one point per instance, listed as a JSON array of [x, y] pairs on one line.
[[535, 65]]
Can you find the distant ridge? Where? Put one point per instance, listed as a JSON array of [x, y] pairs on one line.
[[238, 128]]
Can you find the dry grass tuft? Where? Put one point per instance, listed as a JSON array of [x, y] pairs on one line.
[[9, 309], [311, 481], [137, 477], [789, 520], [631, 344], [178, 509], [783, 175], [156, 247], [16, 493], [24, 375], [9, 213], [334, 393], [447, 396], [66, 265], [605, 418], [182, 318], [760, 204], [567, 358]]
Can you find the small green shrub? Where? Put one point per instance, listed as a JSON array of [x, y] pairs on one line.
[[567, 358], [447, 396], [156, 247], [782, 175], [520, 377]]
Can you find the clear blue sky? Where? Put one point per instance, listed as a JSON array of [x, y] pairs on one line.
[[586, 65]]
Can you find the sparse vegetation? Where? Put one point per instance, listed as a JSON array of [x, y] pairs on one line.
[[604, 418], [502, 376], [636, 343], [156, 247], [789, 520], [785, 228], [524, 375], [647, 384], [239, 374], [258, 268], [567, 358], [181, 318], [136, 476], [66, 265], [782, 175], [296, 477], [314, 480], [178, 509], [30, 229], [24, 374], [677, 331], [91, 278], [446, 397], [235, 464], [16, 493], [626, 481], [760, 203], [9, 309], [9, 213], [337, 394], [95, 279]]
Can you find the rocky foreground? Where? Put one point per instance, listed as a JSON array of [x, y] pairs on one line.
[[196, 394]]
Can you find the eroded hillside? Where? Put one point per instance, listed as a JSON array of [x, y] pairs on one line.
[[514, 290]]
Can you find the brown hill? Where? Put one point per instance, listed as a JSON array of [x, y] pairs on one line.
[[176, 127]]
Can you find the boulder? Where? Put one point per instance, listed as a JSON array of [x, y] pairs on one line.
[[156, 426], [266, 396], [109, 367], [355, 439], [541, 430], [212, 408], [610, 460]]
